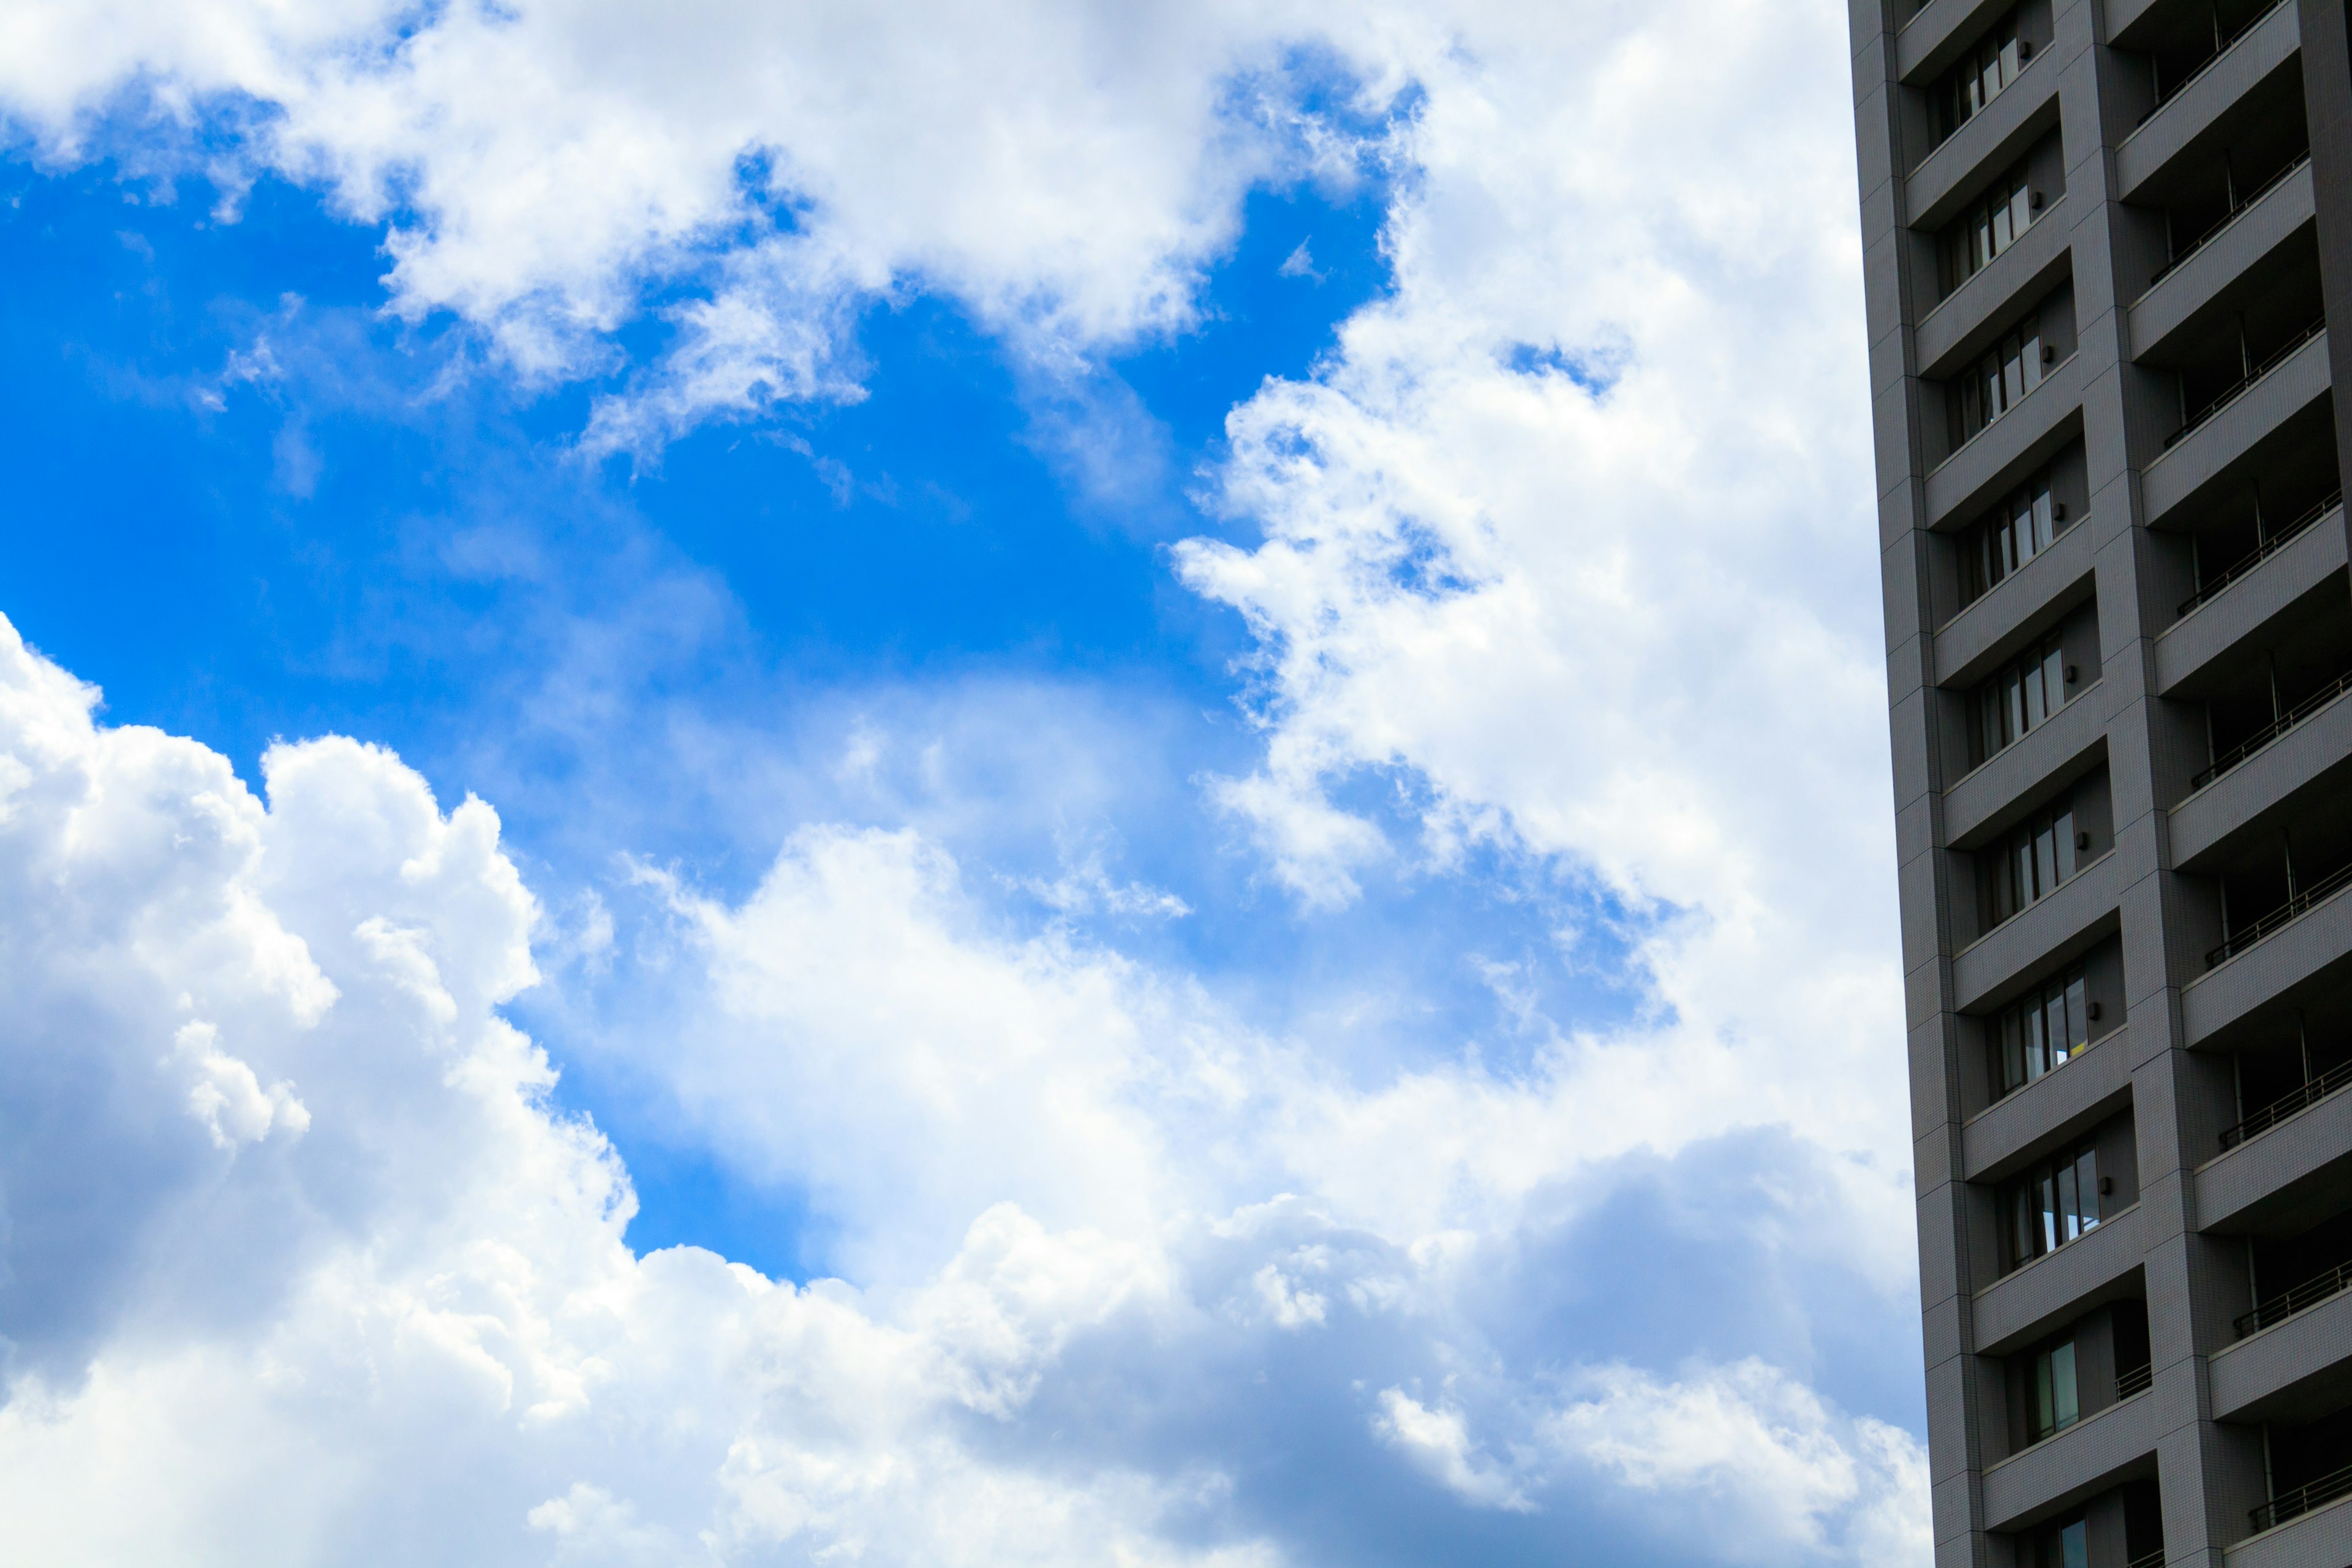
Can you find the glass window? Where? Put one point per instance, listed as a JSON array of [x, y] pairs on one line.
[[2065, 1546], [1998, 382], [1998, 220], [1980, 76], [2055, 1202], [2032, 863], [2019, 699], [2056, 1402], [2021, 528]]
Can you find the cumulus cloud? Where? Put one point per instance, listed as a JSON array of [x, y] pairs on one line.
[[235, 1360], [544, 170], [1568, 533]]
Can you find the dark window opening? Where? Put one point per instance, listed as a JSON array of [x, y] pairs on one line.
[[1998, 220], [2055, 1202], [2020, 699], [2045, 1031], [1966, 91], [2019, 528], [1999, 381]]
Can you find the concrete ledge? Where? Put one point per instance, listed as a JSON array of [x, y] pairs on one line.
[[1947, 178], [2064, 926], [1939, 35], [1976, 313], [2320, 1539], [2048, 1291], [2311, 753], [2306, 946], [2266, 1171], [1989, 797], [2272, 46], [2025, 604], [2221, 261], [2004, 452], [2258, 1378], [2090, 1455], [2206, 453], [2242, 608], [2069, 1099]]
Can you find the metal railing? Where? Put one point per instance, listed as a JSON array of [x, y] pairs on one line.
[[2168, 94], [2138, 1380], [2269, 547], [2148, 1560], [2272, 731], [2326, 888], [2286, 1304], [2233, 214], [2278, 357], [2303, 1498], [2286, 1105]]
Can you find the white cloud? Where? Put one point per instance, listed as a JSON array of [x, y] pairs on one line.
[[1762, 1449], [426, 1294], [1439, 1441], [1570, 531], [1057, 1159], [225, 1096], [1065, 170]]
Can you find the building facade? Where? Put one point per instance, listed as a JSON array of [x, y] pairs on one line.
[[2104, 242]]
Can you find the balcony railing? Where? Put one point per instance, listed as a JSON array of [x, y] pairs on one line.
[[2138, 1380], [2148, 1560], [2210, 591], [2208, 63], [2286, 1304], [2303, 1498], [2239, 941], [2279, 1109], [2232, 216], [2272, 731], [2278, 357]]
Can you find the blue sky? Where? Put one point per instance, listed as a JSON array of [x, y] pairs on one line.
[[1123, 726]]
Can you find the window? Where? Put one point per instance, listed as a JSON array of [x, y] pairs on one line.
[[2066, 1546], [2021, 528], [1978, 77], [2020, 699], [2052, 1403], [2045, 1031], [1996, 61], [2000, 218], [2054, 1203], [2028, 866], [1999, 382]]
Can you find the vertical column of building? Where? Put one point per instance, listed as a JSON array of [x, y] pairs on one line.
[[1954, 1404], [2207, 1475]]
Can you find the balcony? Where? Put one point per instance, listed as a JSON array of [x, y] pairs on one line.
[[2299, 1157], [2085, 1458], [2320, 1534], [2253, 378], [2285, 1368], [2235, 435], [2237, 571], [2310, 1293], [2060, 926], [2221, 53], [2303, 1498], [2302, 904], [2261, 740], [2271, 237], [2005, 451], [2224, 99]]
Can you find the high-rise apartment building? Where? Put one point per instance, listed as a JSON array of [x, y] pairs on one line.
[[2106, 243]]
